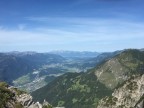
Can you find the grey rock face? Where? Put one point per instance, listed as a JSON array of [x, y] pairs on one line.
[[27, 102], [130, 95], [140, 105]]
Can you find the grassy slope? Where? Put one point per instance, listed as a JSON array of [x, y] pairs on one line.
[[120, 68]]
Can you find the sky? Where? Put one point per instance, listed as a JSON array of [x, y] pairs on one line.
[[78, 25]]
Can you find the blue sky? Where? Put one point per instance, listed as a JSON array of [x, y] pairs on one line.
[[79, 25]]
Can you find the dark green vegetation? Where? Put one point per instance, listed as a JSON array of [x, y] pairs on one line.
[[47, 106], [133, 60], [86, 89], [73, 90], [7, 96]]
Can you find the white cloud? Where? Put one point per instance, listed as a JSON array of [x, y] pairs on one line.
[[84, 35]]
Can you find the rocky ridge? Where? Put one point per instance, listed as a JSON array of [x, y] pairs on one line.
[[130, 95]]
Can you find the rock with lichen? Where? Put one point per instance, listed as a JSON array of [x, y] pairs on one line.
[[130, 95]]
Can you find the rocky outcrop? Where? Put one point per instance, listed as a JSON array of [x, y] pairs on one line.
[[26, 101], [130, 95], [11, 97]]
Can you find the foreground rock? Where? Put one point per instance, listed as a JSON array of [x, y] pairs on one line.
[[11, 97]]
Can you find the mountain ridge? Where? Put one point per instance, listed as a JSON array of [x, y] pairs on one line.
[[109, 74]]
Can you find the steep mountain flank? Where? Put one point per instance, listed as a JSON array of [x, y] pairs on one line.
[[120, 68], [130, 95]]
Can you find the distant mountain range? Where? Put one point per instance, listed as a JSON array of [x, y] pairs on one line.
[[76, 54], [14, 65], [88, 90], [31, 70]]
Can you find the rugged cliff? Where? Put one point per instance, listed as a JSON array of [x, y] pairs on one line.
[[130, 95]]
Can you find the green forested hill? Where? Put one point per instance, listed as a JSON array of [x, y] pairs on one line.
[[73, 90]]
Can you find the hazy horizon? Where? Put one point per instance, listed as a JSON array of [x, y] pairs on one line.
[[54, 51], [71, 25]]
